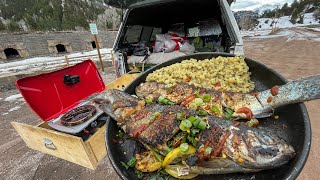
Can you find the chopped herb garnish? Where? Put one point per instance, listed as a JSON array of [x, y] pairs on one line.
[[120, 134], [206, 98], [149, 101], [194, 131], [185, 125], [163, 100], [132, 162], [228, 113], [202, 125], [181, 115], [198, 101], [138, 173], [155, 116], [196, 122], [192, 119], [202, 113], [208, 150], [124, 165], [184, 147], [192, 141], [215, 109]]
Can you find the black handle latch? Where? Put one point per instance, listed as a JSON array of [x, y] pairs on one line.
[[71, 79]]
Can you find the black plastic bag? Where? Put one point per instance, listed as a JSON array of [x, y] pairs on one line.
[[141, 49]]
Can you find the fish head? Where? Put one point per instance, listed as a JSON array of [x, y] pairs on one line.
[[118, 104], [259, 150]]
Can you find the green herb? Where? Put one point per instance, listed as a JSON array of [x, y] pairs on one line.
[[228, 114], [162, 171], [169, 87], [170, 143], [202, 125], [149, 101], [184, 147], [202, 113], [154, 177], [194, 131], [197, 94], [132, 162], [192, 119], [124, 165], [193, 106], [184, 137], [253, 123], [214, 109], [208, 150], [156, 155], [198, 101], [206, 98], [181, 115], [229, 111], [196, 123], [138, 173], [155, 116], [163, 100], [192, 141], [120, 134], [185, 125]]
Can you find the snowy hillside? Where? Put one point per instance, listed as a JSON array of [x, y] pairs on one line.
[[265, 7], [284, 22]]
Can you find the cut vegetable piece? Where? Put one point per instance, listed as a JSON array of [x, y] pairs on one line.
[[172, 170], [176, 153]]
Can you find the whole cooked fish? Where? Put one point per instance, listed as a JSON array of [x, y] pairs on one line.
[[252, 105], [233, 147]]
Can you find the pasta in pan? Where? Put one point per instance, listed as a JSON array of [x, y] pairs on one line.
[[221, 73]]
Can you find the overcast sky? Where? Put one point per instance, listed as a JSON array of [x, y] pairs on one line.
[[241, 5]]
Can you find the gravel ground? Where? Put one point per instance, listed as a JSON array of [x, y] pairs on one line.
[[293, 59]]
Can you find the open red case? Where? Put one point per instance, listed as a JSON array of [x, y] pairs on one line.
[[50, 95]]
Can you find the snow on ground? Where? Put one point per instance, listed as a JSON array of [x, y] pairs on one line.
[[286, 29], [284, 22], [5, 113], [14, 109], [40, 63], [13, 97]]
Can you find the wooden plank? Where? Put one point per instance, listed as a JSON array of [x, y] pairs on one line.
[[63, 145], [97, 144], [122, 81]]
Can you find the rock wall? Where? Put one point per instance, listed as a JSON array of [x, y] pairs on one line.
[[39, 44]]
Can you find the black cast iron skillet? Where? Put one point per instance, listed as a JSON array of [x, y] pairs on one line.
[[293, 126]]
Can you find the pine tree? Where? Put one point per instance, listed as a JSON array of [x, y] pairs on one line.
[[13, 26], [2, 26], [294, 16]]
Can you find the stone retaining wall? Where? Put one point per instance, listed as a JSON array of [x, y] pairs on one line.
[[39, 44]]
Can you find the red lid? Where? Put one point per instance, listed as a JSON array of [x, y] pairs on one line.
[[49, 95]]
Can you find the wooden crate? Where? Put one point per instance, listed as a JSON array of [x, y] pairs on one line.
[[65, 146], [68, 147], [122, 81]]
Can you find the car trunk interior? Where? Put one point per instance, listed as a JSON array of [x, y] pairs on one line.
[[194, 20]]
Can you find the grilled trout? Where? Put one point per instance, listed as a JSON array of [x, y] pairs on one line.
[[223, 147], [247, 106]]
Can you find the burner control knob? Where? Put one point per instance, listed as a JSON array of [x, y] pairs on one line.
[[94, 124]]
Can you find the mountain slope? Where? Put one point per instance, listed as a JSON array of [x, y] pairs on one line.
[[55, 15]]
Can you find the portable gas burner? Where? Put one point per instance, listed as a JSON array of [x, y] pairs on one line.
[[77, 119]]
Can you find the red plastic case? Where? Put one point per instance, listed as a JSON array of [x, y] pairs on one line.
[[49, 96]]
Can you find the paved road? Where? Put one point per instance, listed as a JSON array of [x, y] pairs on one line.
[[292, 59]]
